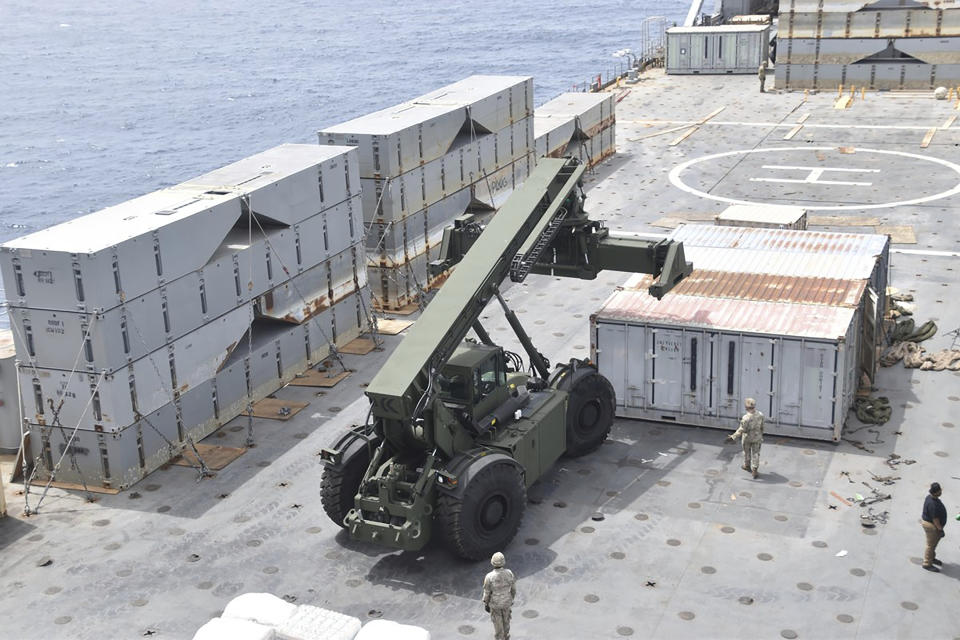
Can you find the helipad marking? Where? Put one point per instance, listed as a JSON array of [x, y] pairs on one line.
[[814, 176], [680, 168]]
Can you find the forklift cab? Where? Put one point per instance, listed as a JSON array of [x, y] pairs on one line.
[[475, 376]]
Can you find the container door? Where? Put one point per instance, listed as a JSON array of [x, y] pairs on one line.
[[868, 344], [728, 377], [757, 373], [746, 54], [791, 364], [636, 361], [697, 52], [612, 356], [693, 372], [817, 384], [666, 369]]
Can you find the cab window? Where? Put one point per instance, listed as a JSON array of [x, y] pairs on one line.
[[487, 377]]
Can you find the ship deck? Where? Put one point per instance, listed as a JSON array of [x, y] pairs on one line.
[[658, 534]]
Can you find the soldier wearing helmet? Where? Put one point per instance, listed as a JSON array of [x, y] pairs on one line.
[[499, 590], [751, 433]]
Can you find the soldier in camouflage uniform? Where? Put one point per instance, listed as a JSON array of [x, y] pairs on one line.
[[499, 590], [751, 432]]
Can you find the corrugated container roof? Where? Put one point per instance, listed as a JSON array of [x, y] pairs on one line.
[[804, 265], [762, 287], [725, 314], [781, 240]]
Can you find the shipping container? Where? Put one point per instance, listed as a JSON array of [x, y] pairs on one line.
[[807, 253], [720, 49], [694, 360], [767, 216], [289, 183]]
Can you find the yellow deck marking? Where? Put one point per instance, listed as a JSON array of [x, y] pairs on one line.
[[949, 122], [803, 118], [927, 138]]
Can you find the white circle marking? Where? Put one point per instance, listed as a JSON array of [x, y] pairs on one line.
[[680, 184]]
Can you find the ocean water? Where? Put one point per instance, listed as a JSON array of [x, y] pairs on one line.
[[101, 101]]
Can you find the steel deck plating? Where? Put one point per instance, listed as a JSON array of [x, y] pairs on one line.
[[685, 544]]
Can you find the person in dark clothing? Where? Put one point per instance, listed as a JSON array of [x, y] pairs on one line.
[[933, 520]]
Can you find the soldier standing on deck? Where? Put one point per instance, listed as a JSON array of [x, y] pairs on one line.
[[762, 74], [499, 590], [751, 431]]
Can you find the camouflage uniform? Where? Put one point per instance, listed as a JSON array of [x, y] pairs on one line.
[[499, 590], [762, 74], [751, 430]]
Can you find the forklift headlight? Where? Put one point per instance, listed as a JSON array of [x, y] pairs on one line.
[[331, 456], [446, 480]]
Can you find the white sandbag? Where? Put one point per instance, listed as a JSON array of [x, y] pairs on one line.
[[264, 608], [314, 623], [234, 629], [390, 630]]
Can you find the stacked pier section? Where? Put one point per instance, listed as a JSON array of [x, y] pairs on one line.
[[149, 324], [877, 45], [458, 150], [578, 125]]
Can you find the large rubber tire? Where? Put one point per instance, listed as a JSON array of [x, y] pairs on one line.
[[590, 410], [339, 485], [487, 515]]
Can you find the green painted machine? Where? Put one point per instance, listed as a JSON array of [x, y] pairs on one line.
[[458, 429]]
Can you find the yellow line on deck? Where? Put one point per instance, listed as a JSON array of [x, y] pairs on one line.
[[949, 122], [793, 132], [803, 118], [927, 138], [686, 134]]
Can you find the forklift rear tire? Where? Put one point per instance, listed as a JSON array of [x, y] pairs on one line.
[[590, 409], [339, 485], [486, 516]]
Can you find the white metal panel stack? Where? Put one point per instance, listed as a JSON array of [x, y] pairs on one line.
[[581, 125], [157, 320], [460, 148], [782, 316], [886, 44]]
